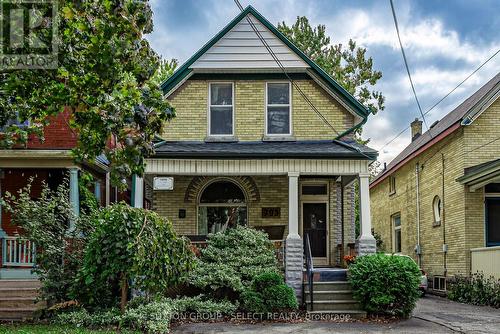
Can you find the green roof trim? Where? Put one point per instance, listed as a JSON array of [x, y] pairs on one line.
[[184, 70]]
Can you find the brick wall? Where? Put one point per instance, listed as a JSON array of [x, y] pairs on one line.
[[58, 134], [191, 103], [463, 210]]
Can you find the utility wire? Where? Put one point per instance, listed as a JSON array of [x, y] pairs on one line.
[[444, 97], [406, 65], [276, 59]]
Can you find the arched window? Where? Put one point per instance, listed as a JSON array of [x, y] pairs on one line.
[[436, 205], [221, 205]]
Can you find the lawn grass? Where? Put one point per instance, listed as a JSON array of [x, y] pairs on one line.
[[52, 329]]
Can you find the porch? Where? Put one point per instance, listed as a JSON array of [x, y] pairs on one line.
[[286, 189]]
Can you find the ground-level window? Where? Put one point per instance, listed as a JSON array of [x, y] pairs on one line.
[[396, 224], [436, 207], [278, 109], [492, 221], [222, 205]]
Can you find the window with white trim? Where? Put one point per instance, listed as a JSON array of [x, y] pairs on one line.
[[396, 225], [436, 207], [278, 108], [221, 109]]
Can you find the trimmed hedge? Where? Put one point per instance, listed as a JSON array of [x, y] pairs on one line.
[[385, 284]]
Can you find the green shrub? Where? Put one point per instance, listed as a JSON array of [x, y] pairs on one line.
[[268, 293], [153, 317], [385, 284], [83, 318], [201, 305], [476, 290], [231, 260], [131, 244]]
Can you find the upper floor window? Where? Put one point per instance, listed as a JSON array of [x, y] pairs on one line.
[[392, 184], [221, 105], [436, 207], [16, 120], [278, 108]]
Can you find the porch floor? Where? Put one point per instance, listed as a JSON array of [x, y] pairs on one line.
[[328, 274]]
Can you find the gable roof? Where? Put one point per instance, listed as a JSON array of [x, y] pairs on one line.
[[448, 124], [181, 74]]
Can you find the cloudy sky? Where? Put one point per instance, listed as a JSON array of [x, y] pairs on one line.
[[445, 40]]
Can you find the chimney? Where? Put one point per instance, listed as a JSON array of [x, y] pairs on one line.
[[416, 129]]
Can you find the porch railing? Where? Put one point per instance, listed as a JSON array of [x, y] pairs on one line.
[[18, 252], [486, 260], [309, 270]]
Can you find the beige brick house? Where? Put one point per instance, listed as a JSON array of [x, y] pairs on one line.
[[246, 148], [439, 199]]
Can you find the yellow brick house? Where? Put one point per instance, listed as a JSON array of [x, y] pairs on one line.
[[439, 199], [246, 148]]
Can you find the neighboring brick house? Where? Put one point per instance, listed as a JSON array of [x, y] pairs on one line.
[[439, 199], [246, 148], [47, 162]]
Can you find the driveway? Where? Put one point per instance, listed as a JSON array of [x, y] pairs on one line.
[[432, 315]]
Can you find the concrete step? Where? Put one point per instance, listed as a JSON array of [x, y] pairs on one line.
[[18, 292], [17, 314], [339, 315], [20, 302], [334, 305], [19, 283], [329, 295], [329, 286]]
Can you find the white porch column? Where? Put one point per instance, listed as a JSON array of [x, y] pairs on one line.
[[366, 242], [294, 255], [97, 191], [74, 194], [137, 197]]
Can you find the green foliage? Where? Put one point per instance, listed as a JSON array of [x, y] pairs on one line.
[[144, 314], [231, 260], [268, 293], [349, 66], [107, 77], [131, 244], [88, 202], [45, 222], [476, 290], [385, 284]]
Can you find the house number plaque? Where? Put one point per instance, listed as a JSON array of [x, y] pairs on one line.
[[163, 183], [271, 212]]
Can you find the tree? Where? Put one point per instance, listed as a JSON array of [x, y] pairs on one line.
[[349, 66], [107, 77]]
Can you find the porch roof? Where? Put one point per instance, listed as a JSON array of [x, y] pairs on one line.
[[302, 149], [479, 175]]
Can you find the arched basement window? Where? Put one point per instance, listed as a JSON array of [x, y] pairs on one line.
[[221, 205], [436, 205]]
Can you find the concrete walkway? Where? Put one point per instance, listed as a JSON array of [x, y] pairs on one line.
[[432, 315]]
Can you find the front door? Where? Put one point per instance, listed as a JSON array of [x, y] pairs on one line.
[[315, 225]]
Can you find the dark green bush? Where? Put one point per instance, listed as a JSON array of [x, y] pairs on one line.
[[385, 284], [476, 290], [231, 260], [268, 293]]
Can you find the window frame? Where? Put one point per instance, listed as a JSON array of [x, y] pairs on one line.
[[209, 109], [494, 198], [394, 228], [392, 184], [437, 210], [199, 204], [266, 105]]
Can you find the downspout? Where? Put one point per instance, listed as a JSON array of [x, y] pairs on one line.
[[443, 216], [417, 183]]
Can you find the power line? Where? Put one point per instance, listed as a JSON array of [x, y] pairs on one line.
[[276, 59], [444, 97], [406, 65]]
